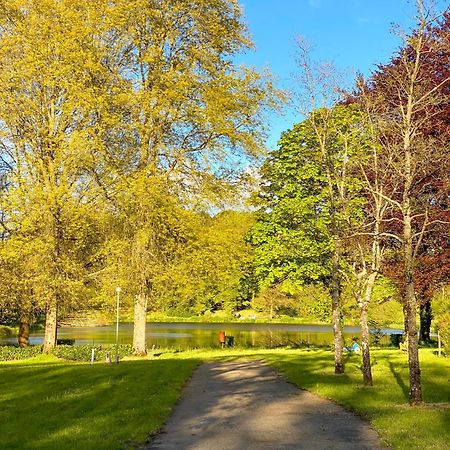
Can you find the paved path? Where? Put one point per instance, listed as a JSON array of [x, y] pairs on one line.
[[246, 405]]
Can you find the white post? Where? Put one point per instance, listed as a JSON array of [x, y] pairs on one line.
[[117, 324], [439, 344]]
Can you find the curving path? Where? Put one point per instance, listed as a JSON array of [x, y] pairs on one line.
[[247, 405]]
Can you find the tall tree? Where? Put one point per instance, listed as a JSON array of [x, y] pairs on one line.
[[320, 89], [308, 201], [184, 110], [51, 75], [405, 99]]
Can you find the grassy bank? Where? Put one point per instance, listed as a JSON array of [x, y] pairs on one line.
[[49, 404], [246, 316]]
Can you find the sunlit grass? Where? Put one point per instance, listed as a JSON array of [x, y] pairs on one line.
[[385, 404], [46, 403]]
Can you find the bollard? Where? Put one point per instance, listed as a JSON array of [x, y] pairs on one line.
[[92, 355]]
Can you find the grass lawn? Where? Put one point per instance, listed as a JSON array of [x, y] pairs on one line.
[[385, 404], [49, 404]]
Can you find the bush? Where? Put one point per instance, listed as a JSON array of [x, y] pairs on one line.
[[68, 351], [396, 339], [6, 332], [84, 352], [12, 352], [444, 331], [65, 341]]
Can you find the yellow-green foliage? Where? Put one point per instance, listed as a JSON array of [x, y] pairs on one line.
[[385, 308], [116, 118], [207, 274], [441, 313], [51, 80]]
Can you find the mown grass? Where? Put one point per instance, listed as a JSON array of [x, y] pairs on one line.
[[49, 404], [385, 404]]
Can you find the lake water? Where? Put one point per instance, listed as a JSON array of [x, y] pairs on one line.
[[195, 335]]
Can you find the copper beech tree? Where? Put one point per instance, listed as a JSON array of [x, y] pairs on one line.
[[405, 101]]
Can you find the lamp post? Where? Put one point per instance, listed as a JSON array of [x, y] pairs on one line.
[[118, 289]]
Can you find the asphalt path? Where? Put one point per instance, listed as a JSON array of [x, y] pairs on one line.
[[246, 405]]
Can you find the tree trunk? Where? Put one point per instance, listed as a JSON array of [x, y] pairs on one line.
[[415, 386], [425, 321], [140, 319], [336, 315], [50, 333], [365, 335], [23, 337]]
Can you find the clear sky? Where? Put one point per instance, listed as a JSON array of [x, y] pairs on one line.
[[355, 35]]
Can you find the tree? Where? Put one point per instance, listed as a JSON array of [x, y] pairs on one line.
[[364, 238], [208, 273], [319, 91], [432, 255], [309, 199], [183, 108], [51, 77], [404, 99]]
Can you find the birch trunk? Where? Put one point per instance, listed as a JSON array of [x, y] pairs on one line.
[[336, 314], [415, 386], [365, 335]]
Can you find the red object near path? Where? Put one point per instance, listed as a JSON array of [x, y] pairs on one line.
[[222, 338]]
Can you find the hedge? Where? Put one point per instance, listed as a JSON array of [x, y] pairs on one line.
[[69, 352], [11, 352]]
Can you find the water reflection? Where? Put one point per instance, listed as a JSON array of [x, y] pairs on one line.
[[197, 335]]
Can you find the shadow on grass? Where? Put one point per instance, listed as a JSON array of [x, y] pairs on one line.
[[97, 406], [61, 405], [398, 378]]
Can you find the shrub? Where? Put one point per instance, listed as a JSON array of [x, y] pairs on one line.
[[7, 332], [12, 352], [84, 352], [396, 339], [444, 331], [65, 341]]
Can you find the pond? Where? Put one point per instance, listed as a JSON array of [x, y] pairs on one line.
[[195, 335]]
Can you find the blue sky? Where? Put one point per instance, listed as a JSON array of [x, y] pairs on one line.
[[355, 34]]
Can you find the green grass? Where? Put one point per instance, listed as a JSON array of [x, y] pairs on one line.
[[49, 404], [385, 404]]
